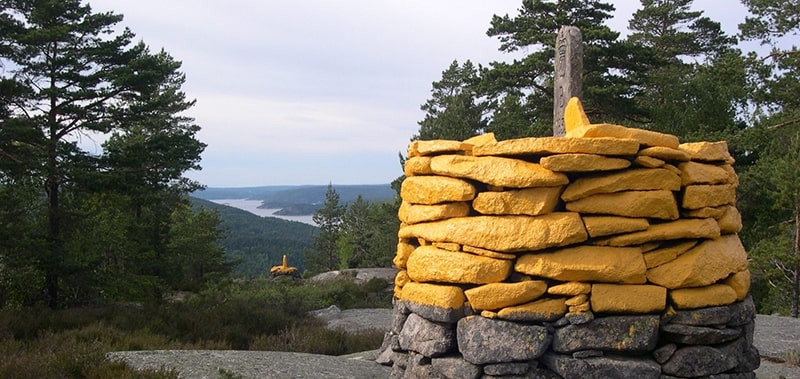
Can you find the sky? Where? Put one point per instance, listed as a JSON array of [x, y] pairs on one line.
[[314, 92]]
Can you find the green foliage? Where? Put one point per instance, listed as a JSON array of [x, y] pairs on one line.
[[323, 255], [453, 112], [367, 237], [312, 337]]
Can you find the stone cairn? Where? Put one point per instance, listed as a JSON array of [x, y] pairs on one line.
[[611, 252]]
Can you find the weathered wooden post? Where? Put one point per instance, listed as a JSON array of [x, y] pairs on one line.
[[569, 67]]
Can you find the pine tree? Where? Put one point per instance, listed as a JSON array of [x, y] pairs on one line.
[[453, 112], [329, 220]]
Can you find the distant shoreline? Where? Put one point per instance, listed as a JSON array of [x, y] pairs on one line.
[[252, 206]]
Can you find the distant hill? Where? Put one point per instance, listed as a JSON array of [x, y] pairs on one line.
[[260, 242], [299, 200]]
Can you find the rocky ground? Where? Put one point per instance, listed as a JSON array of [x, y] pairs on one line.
[[775, 337]]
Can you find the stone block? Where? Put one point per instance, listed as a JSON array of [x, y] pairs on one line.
[[436, 190], [494, 296], [416, 166], [731, 220], [415, 213], [624, 334], [702, 195], [574, 115], [559, 145], [647, 204], [742, 312], [425, 337], [602, 367], [583, 163], [668, 231], [708, 151], [509, 368], [665, 153], [645, 137], [586, 264], [698, 335], [504, 233], [699, 297], [481, 340], [432, 264], [542, 310], [648, 162], [528, 201], [707, 316], [703, 173], [570, 289], [599, 226], [430, 147], [627, 298], [447, 301], [667, 253], [404, 251], [455, 367], [639, 179], [497, 171], [698, 361], [740, 282], [702, 265]]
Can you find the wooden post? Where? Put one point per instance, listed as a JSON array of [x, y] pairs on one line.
[[569, 68]]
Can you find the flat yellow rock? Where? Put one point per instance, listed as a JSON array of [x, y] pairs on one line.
[[701, 196], [528, 201], [442, 296], [740, 282], [703, 173], [431, 264], [705, 212], [730, 221], [639, 179], [404, 251], [702, 297], [645, 137], [599, 226], [420, 148], [539, 310], [678, 229], [494, 296], [627, 298], [665, 153], [487, 253], [415, 166], [497, 171], [416, 213], [559, 145], [708, 151], [401, 279], [504, 233], [577, 300], [449, 246], [731, 174], [648, 162], [483, 139], [583, 163], [574, 116], [435, 190], [570, 289], [658, 257], [649, 204], [704, 264], [586, 264]]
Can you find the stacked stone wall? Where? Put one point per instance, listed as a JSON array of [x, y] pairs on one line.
[[611, 252]]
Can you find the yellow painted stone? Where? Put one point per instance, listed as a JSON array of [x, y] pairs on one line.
[[415, 166], [701, 196], [449, 246], [730, 221], [583, 307], [539, 310], [577, 300], [702, 297], [479, 140], [574, 116], [705, 212], [504, 233], [650, 246], [639, 179], [678, 229], [438, 295], [583, 163], [415, 213], [570, 289], [489, 314], [666, 254], [740, 282], [586, 264], [675, 170], [708, 151], [497, 171], [494, 296], [703, 173], [733, 178], [420, 148], [649, 204], [401, 279], [404, 251], [599, 226], [487, 253], [645, 137], [625, 298], [704, 264], [527, 201], [398, 291], [432, 264], [648, 162], [559, 145], [665, 153], [435, 190]]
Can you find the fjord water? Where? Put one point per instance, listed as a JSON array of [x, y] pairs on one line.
[[252, 206]]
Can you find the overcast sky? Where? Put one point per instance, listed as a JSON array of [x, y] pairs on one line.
[[318, 92]]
